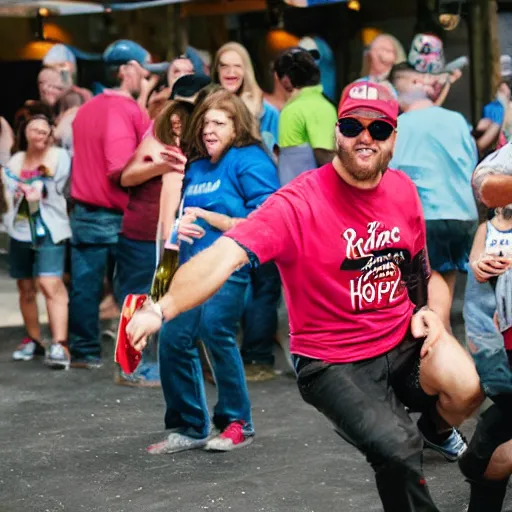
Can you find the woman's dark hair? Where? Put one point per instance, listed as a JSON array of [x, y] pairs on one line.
[[163, 125], [299, 66], [32, 108], [21, 143], [246, 131]]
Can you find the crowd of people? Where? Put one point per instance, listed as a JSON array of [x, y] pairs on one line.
[[364, 212]]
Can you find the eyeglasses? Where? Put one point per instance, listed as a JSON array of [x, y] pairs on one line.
[[378, 130]]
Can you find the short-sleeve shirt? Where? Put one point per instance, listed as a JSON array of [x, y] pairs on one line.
[[343, 254], [235, 186], [308, 118], [106, 133], [434, 147], [269, 125], [495, 111], [306, 123]]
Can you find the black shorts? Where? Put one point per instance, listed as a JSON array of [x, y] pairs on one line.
[[449, 243], [366, 400]]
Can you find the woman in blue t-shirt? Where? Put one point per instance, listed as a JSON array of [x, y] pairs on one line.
[[229, 176]]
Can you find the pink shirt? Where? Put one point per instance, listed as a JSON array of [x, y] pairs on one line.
[[106, 132], [339, 251]]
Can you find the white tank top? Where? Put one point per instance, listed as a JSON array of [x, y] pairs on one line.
[[498, 242]]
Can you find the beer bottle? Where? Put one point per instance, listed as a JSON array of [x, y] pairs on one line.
[[24, 214], [167, 265]]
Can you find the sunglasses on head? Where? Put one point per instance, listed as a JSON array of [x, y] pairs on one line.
[[378, 130]]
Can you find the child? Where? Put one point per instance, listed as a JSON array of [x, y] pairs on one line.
[[491, 260]]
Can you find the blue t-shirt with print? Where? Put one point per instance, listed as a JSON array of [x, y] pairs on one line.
[[434, 147], [235, 185]]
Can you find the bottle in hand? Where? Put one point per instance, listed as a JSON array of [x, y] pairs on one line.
[[167, 266]]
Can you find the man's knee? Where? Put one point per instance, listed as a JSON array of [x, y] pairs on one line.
[[464, 398]]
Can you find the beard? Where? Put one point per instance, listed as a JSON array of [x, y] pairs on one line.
[[368, 172]]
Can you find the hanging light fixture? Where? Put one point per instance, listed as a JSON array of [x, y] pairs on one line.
[[448, 13]]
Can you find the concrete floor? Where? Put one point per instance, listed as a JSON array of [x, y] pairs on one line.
[[73, 441]]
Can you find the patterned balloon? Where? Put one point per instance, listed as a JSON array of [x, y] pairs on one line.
[[426, 54]]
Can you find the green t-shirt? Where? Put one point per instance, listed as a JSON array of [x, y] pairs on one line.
[[308, 118]]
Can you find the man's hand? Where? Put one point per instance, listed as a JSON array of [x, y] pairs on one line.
[[143, 324], [147, 84], [426, 323]]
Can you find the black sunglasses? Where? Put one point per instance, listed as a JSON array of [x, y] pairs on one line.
[[379, 130]]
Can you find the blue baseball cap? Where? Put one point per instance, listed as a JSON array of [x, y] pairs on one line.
[[123, 51]]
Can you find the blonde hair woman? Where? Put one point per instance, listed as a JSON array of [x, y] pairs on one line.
[[233, 70], [383, 53]]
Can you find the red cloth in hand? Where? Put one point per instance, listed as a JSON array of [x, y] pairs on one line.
[[126, 356]]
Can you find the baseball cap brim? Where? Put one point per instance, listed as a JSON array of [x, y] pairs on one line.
[[369, 113], [157, 67]]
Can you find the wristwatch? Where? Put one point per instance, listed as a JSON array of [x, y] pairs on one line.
[[156, 308]]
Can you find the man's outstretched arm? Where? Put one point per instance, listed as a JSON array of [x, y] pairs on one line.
[[202, 276], [194, 282]]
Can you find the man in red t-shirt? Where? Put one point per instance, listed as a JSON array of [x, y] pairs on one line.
[[106, 131], [349, 241]]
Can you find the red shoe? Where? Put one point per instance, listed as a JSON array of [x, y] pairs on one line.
[[232, 438]]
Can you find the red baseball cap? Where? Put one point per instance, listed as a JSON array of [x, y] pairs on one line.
[[368, 99]]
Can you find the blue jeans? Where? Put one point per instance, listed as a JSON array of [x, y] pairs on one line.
[[134, 273], [260, 315], [484, 340], [95, 237], [215, 322]]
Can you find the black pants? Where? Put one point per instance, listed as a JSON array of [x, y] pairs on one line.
[[365, 402], [494, 428]]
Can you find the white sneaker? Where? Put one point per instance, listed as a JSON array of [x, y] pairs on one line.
[[27, 350], [58, 357], [175, 443]]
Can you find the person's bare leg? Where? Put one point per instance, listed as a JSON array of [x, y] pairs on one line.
[[500, 465], [56, 296], [441, 288], [28, 307], [449, 372]]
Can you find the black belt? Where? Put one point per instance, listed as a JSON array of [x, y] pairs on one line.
[[94, 208]]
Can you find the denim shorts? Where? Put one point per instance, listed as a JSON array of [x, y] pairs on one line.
[[26, 262], [485, 342], [449, 244]]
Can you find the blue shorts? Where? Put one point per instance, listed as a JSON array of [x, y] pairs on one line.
[[26, 262], [449, 243]]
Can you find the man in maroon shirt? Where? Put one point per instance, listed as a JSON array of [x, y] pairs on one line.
[[106, 132], [349, 241]]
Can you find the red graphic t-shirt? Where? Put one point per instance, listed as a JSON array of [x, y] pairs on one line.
[[340, 251]]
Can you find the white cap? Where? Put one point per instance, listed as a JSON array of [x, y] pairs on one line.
[[59, 53]]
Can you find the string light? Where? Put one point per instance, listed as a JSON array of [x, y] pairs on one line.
[[44, 12], [354, 5]]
